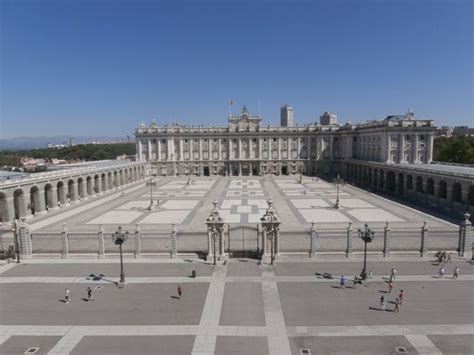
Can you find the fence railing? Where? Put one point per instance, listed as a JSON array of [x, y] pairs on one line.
[[311, 241]]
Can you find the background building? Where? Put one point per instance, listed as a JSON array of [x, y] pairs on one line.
[[245, 147], [286, 116]]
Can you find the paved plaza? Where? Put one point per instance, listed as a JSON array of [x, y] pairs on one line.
[[238, 308], [242, 200]]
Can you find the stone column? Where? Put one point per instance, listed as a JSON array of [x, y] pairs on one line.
[[386, 240], [23, 201], [219, 149], [65, 243], [415, 148], [260, 148], [83, 188], [308, 149], [139, 150], [279, 148], [158, 143], [240, 169], [173, 242], [181, 158], [387, 157], [429, 148], [200, 149], [465, 237], [401, 148], [138, 242], [349, 240], [331, 147], [229, 154], [74, 194], [239, 147], [148, 143], [24, 240], [319, 147], [8, 214], [62, 196], [424, 239], [312, 244], [100, 236]]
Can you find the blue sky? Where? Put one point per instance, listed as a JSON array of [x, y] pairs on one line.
[[100, 67]]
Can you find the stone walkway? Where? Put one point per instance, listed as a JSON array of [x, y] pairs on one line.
[[278, 333]]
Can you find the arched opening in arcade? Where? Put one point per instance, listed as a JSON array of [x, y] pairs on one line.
[[48, 197], [19, 203], [443, 189], [4, 213], [96, 184], [35, 200], [409, 182], [116, 179], [110, 181], [419, 184], [80, 188], [71, 194], [89, 186], [61, 193], [470, 196], [391, 181], [103, 182], [457, 193], [401, 184], [430, 186]]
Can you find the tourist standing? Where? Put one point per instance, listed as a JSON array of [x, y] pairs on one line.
[[397, 306], [67, 295], [180, 291], [89, 294], [390, 286], [401, 296], [343, 281], [393, 272], [456, 273], [441, 272], [382, 303]]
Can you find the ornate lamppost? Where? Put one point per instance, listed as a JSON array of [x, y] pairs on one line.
[[119, 238], [215, 227], [151, 183], [270, 229], [338, 181], [367, 235]]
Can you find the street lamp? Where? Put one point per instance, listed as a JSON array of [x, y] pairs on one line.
[[151, 183], [214, 236], [119, 238], [367, 235], [338, 181]]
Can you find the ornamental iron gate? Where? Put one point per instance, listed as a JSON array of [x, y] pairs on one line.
[[243, 241]]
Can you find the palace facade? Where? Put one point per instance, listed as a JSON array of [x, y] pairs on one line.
[[246, 147]]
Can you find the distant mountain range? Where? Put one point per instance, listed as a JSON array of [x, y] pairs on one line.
[[19, 143]]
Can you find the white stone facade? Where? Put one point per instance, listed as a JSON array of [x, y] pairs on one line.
[[247, 148]]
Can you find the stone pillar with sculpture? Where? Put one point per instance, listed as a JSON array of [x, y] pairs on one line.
[[215, 231], [270, 233]]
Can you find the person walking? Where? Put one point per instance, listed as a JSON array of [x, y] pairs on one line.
[[382, 303], [397, 306], [456, 273], [356, 281], [67, 295], [401, 296], [89, 294], [393, 272], [441, 272], [448, 258], [180, 291], [343, 281], [390, 286]]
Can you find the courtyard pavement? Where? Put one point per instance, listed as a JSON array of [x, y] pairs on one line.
[[242, 200], [237, 308]]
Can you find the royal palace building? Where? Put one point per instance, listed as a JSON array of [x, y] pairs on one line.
[[246, 147]]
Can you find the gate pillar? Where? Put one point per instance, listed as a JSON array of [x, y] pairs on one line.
[[270, 233], [215, 231]]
